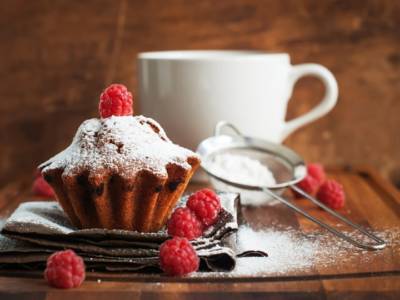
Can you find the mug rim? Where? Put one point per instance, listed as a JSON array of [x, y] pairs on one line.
[[216, 55]]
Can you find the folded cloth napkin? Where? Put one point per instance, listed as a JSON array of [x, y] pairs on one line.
[[37, 229]]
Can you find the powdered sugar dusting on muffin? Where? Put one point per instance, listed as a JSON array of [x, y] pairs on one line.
[[125, 144]]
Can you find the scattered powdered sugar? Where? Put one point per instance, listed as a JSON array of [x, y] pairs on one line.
[[242, 169], [292, 252], [287, 251], [126, 144]]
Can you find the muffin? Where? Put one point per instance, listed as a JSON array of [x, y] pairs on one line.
[[120, 172]]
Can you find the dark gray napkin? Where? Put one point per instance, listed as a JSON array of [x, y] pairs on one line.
[[37, 229]]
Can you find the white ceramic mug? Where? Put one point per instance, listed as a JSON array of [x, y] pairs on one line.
[[188, 92]]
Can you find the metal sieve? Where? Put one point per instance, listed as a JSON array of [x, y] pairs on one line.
[[288, 169]]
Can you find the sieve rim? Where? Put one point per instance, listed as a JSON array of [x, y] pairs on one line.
[[219, 143]]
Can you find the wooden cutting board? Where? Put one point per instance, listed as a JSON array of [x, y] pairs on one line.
[[371, 202]]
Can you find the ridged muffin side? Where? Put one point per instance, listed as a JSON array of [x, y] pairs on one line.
[[111, 201]]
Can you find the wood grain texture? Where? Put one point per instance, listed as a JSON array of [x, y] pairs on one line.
[[365, 288], [374, 275], [56, 56]]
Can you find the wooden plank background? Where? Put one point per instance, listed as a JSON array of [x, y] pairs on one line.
[[56, 56]]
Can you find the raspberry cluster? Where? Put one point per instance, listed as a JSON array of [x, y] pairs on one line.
[[202, 210], [329, 192], [177, 255]]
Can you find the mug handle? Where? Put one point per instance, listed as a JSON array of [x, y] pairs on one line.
[[327, 103]]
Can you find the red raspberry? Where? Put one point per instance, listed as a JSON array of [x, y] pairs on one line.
[[184, 223], [206, 205], [331, 193], [178, 257], [65, 270], [116, 100], [41, 188], [309, 184], [317, 171]]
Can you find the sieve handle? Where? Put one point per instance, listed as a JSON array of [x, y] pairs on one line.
[[380, 244], [221, 124]]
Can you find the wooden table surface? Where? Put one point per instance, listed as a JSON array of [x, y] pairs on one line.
[[371, 202]]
